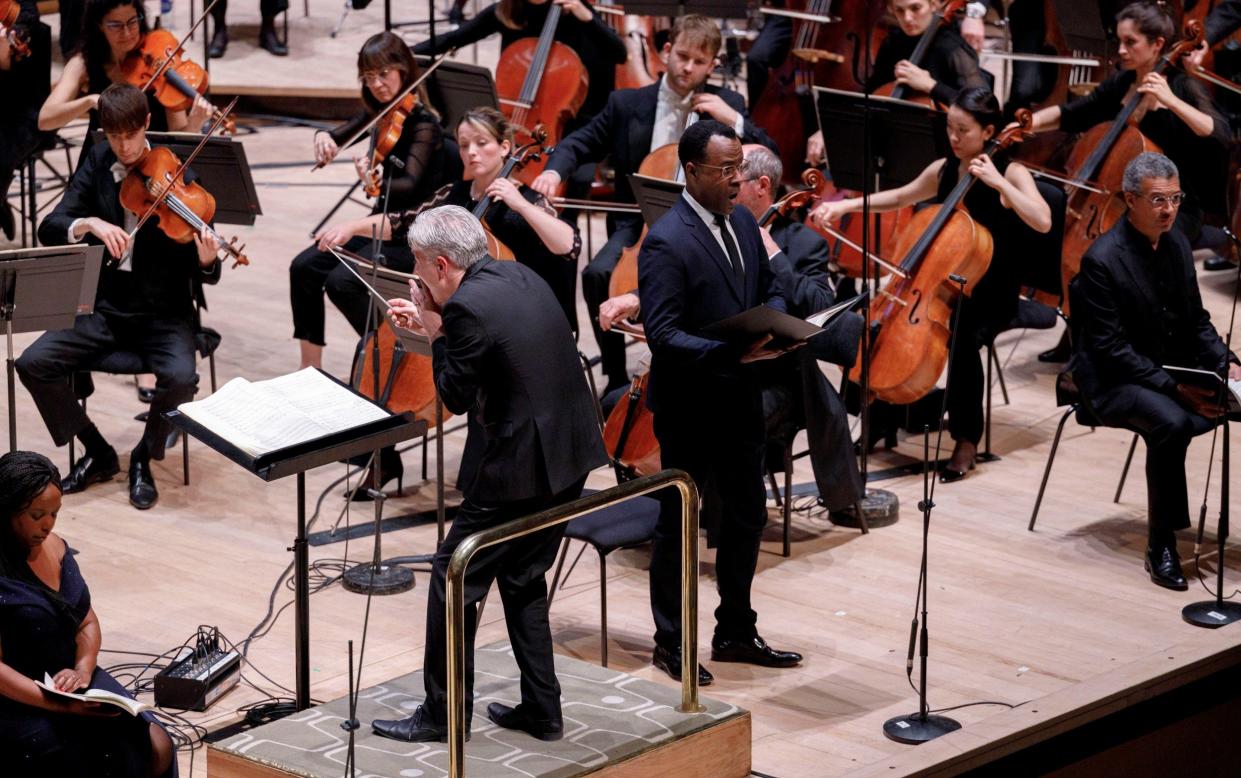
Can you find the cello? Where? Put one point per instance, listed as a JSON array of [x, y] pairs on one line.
[[530, 152], [660, 163], [551, 89], [1097, 165], [941, 245], [940, 18]]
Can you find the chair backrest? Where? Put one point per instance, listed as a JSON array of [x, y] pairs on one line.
[[1042, 268]]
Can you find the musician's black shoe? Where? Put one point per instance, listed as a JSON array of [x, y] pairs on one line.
[[752, 651], [269, 40], [90, 470], [418, 728], [517, 718], [142, 491], [1060, 353], [1164, 565], [670, 663], [219, 42], [1216, 262]]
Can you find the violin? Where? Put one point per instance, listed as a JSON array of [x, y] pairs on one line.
[[940, 18], [540, 81], [1097, 165], [660, 163], [387, 134], [524, 155], [176, 81], [19, 42], [942, 245], [157, 187]]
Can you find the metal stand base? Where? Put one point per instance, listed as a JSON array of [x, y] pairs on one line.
[[1211, 614], [880, 506], [916, 728], [386, 579], [987, 456]]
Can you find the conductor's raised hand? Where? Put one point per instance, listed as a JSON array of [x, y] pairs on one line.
[[404, 313], [429, 314]]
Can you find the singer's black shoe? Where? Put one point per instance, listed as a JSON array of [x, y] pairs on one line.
[[142, 491], [90, 470], [418, 728], [269, 40], [1216, 262], [670, 663], [752, 651], [219, 42], [1164, 565], [517, 718]]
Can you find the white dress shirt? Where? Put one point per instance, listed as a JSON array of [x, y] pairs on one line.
[[119, 171], [708, 218], [673, 114]]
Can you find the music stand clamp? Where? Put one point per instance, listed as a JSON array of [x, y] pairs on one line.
[[43, 289]]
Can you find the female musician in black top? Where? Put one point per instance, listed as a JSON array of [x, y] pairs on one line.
[[385, 69], [580, 28], [519, 217], [1007, 202], [1175, 113], [111, 29], [47, 626]]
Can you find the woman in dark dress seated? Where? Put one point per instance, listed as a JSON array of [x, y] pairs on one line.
[[47, 625]]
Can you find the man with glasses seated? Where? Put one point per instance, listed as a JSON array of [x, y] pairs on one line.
[[1137, 308]]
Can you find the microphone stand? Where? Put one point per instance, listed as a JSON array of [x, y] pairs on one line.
[[376, 577], [922, 726], [1218, 612]]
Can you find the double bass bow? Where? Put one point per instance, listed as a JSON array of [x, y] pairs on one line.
[[540, 81], [914, 311]]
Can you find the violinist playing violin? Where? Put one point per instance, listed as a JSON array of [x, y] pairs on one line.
[[385, 69], [111, 31], [1008, 204], [24, 83], [145, 303]]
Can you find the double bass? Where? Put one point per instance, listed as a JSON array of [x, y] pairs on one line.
[[1097, 166], [540, 81], [941, 245]]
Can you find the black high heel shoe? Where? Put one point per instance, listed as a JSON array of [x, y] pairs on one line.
[[390, 466], [947, 475]]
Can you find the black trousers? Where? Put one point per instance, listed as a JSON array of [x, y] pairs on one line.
[[268, 9], [1032, 81], [166, 345], [967, 375], [16, 145], [724, 456], [1167, 427], [314, 272], [518, 568], [766, 54], [595, 278]]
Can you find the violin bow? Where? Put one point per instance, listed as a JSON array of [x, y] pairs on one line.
[[180, 47], [180, 171], [395, 102]]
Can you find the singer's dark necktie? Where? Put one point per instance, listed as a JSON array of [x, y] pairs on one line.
[[734, 256]]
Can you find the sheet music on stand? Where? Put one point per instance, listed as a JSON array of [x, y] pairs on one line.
[[654, 195]]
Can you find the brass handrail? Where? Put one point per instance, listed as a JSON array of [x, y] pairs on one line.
[[455, 584]]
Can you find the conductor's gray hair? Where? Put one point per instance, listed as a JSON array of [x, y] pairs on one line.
[[449, 231], [764, 162], [1148, 164]]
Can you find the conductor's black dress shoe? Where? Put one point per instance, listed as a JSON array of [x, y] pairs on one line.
[[142, 491], [1164, 565], [753, 651], [670, 663], [90, 470], [418, 728], [517, 718]]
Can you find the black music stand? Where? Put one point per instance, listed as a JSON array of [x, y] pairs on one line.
[[296, 460], [457, 87], [43, 289], [654, 195]]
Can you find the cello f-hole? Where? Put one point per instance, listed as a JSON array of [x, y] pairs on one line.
[[913, 317]]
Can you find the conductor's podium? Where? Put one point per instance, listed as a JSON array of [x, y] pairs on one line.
[[615, 726]]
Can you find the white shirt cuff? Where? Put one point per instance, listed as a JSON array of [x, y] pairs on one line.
[[739, 125], [74, 237]]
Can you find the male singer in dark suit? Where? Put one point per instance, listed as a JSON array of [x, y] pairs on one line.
[[501, 351], [634, 123], [145, 303], [704, 261], [1136, 308]]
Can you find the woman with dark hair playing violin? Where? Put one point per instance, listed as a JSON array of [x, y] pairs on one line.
[[111, 31], [385, 69], [1007, 204]]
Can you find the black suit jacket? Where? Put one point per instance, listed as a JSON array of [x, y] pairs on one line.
[[1117, 321], [622, 132], [508, 357], [165, 278], [686, 283], [1223, 21]]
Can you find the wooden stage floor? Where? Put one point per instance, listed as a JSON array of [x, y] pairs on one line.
[[1015, 615]]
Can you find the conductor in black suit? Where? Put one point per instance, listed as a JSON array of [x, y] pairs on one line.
[[1136, 308], [704, 261], [144, 303], [500, 351], [634, 123]]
